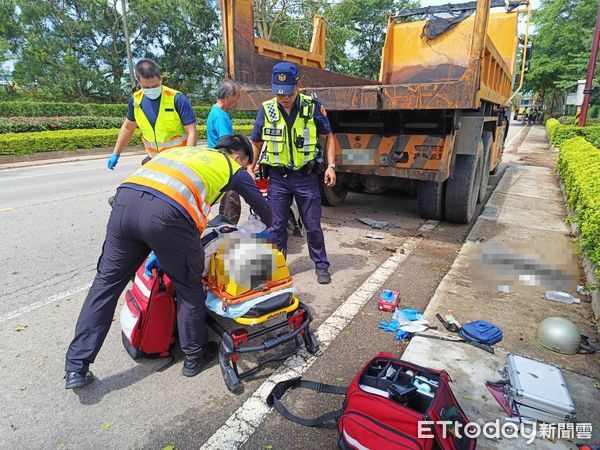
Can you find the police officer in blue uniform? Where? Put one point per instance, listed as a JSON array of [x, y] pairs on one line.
[[290, 125]]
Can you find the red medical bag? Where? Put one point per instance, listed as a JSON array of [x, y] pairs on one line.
[[148, 315]]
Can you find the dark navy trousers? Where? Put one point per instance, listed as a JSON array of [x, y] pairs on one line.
[[283, 188], [141, 222]]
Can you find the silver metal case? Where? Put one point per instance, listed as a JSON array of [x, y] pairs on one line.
[[538, 390]]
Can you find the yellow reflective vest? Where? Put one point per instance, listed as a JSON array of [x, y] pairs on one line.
[[290, 147], [168, 131], [193, 177]]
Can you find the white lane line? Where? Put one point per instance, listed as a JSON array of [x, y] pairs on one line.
[[513, 139], [52, 299], [248, 417]]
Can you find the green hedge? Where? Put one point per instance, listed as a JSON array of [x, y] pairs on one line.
[[51, 141], [551, 125], [28, 124], [560, 133], [52, 109], [201, 113], [579, 168]]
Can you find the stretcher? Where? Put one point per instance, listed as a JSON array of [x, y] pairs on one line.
[[257, 320]]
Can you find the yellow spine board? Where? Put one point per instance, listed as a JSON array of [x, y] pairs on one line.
[[249, 321], [229, 290]]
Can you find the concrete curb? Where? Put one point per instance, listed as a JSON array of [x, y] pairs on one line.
[[40, 159]]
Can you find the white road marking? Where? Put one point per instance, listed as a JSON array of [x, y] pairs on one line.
[[6, 209], [248, 417], [52, 299]]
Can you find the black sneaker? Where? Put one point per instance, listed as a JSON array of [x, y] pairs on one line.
[[323, 276], [193, 365], [74, 380]]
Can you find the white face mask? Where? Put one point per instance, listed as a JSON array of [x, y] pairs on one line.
[[152, 93]]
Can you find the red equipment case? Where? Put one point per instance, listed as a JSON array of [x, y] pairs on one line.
[[148, 316]]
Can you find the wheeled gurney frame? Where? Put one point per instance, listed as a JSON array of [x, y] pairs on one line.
[[237, 342]]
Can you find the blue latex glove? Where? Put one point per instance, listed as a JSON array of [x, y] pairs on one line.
[[392, 325], [151, 263], [266, 235], [382, 325], [402, 335], [412, 314], [406, 315], [112, 161]]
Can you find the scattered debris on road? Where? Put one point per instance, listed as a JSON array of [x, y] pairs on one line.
[[388, 300], [504, 289], [377, 224], [562, 297]]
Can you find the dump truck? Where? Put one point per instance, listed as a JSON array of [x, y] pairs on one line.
[[435, 121]]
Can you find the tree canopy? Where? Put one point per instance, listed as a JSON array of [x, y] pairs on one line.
[[561, 45], [75, 49]]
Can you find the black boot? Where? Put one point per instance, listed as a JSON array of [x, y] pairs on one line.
[[74, 380], [193, 365], [323, 276]]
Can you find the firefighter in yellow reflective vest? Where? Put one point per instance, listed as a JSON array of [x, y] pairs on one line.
[[163, 207], [291, 124], [164, 116]]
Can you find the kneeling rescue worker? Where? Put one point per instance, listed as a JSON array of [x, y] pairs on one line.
[[163, 207], [291, 124]]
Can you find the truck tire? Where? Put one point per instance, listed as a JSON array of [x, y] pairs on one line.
[[430, 200], [487, 138], [462, 188], [334, 196]]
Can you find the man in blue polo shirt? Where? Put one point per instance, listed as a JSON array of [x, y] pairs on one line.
[[177, 124], [291, 124], [218, 124]]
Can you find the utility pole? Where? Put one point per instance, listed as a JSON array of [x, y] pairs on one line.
[[127, 45], [587, 90]]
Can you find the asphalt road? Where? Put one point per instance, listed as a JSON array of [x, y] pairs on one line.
[[53, 219]]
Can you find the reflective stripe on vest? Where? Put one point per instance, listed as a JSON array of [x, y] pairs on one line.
[[191, 176], [168, 131], [280, 141]]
